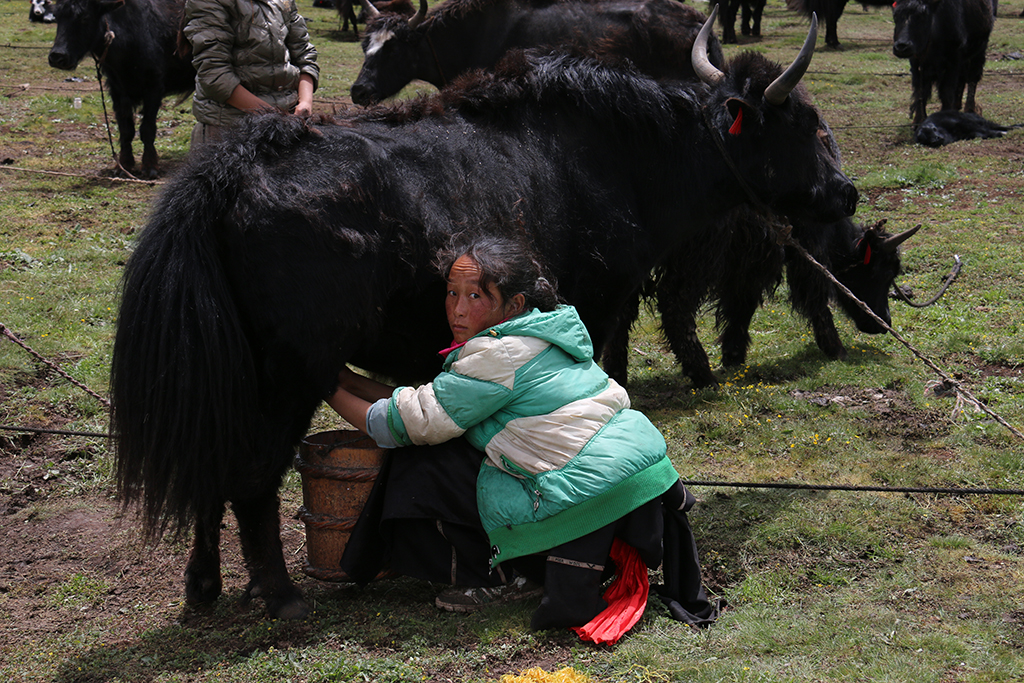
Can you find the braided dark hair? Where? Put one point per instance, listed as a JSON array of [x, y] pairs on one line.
[[509, 265]]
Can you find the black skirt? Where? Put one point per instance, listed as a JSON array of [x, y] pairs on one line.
[[421, 520]]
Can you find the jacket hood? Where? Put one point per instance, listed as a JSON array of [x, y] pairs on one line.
[[561, 327]]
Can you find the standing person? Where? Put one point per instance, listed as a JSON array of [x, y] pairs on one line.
[[525, 464], [249, 55]]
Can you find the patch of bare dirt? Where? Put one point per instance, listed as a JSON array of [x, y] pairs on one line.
[[890, 413], [877, 401]]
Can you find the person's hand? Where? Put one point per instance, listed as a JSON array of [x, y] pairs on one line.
[[346, 378]]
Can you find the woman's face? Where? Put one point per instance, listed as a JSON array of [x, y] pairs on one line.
[[470, 308]]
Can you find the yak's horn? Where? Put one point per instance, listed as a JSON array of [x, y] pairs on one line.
[[891, 243], [702, 66], [779, 90], [420, 16], [368, 7]]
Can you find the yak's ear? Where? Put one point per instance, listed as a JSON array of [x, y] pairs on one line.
[[866, 244], [742, 115]]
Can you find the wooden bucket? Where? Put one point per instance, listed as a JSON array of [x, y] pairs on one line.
[[338, 469]]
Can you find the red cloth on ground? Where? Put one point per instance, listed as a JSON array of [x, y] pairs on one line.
[[626, 598]]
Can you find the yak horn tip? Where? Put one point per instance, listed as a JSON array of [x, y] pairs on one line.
[[702, 67]]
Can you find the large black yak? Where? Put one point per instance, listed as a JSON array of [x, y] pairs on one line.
[[298, 245], [135, 44]]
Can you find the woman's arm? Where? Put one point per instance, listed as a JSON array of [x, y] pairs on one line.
[[354, 395], [363, 387], [305, 105], [242, 98], [350, 407]]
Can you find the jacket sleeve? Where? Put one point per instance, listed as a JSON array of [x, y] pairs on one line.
[[301, 52], [475, 387], [208, 28]]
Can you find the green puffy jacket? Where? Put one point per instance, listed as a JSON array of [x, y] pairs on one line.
[[565, 453], [261, 44]]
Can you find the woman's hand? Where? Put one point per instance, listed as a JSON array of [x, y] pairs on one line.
[[347, 379]]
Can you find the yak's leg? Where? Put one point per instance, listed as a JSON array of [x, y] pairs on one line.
[[737, 312], [259, 527], [825, 334], [746, 16], [124, 113], [728, 20], [921, 88], [678, 309], [202, 574], [970, 106], [147, 133], [951, 92], [615, 357], [758, 10], [809, 294]]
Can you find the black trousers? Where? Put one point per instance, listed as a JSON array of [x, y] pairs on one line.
[[421, 520]]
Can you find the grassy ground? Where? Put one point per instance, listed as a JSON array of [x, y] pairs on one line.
[[822, 586]]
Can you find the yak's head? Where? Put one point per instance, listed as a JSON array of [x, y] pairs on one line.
[[772, 135], [392, 53], [80, 29], [869, 269], [912, 27]]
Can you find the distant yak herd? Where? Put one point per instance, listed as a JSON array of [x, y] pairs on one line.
[[944, 40]]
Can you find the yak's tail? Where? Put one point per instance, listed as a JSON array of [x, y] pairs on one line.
[[182, 377]]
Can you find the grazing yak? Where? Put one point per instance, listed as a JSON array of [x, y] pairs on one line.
[[944, 127], [945, 41], [459, 35], [135, 44], [743, 266], [295, 246]]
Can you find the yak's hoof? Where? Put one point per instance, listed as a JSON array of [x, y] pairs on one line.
[[200, 590], [732, 360], [291, 610], [287, 607], [704, 382]]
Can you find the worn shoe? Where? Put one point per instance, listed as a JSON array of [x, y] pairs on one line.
[[457, 599]]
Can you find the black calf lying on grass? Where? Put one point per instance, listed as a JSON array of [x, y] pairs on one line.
[[944, 127]]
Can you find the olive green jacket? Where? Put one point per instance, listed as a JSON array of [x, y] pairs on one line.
[[260, 44]]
